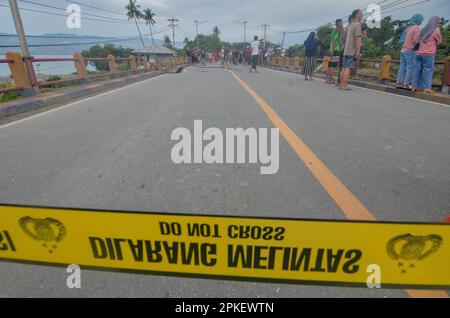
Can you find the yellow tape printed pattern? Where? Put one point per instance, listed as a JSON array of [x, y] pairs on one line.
[[294, 251]]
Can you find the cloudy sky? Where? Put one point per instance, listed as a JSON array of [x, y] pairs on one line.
[[290, 15]]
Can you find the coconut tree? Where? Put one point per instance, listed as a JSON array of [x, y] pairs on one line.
[[135, 14], [168, 42], [216, 32], [149, 18]]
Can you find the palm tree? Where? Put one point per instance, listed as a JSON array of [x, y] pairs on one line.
[[216, 32], [149, 18], [135, 14], [168, 42]]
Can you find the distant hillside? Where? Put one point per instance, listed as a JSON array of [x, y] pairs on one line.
[[73, 35], [67, 44]]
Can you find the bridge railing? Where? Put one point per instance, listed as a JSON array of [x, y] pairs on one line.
[[27, 83], [381, 70], [9, 89]]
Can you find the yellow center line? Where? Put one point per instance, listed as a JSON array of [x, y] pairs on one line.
[[344, 198]]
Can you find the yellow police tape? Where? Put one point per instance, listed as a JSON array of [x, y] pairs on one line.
[[235, 248]]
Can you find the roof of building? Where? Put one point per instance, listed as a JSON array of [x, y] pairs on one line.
[[154, 49]]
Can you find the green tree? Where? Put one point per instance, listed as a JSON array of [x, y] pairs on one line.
[[149, 18], [296, 50], [104, 51], [210, 43], [168, 43], [444, 49], [382, 41], [187, 43], [238, 45], [135, 14], [324, 35], [387, 37], [371, 49], [216, 32]]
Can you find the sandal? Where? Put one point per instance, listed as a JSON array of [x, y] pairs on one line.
[[408, 87]]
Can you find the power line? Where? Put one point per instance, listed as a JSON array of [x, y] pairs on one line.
[[65, 10], [179, 38], [64, 15], [96, 8], [96, 17], [407, 6], [112, 40], [64, 37], [388, 5], [394, 4], [74, 36], [188, 34], [67, 44]]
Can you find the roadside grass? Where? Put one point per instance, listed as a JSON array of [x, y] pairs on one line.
[[54, 87], [6, 97]]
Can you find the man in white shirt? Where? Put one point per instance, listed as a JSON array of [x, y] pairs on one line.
[[255, 54]]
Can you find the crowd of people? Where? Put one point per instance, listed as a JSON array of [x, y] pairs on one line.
[[225, 56], [198, 57], [417, 56], [251, 55]]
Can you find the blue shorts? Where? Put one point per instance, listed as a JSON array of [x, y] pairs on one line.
[[349, 62]]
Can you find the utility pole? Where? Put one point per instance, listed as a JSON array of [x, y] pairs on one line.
[[245, 33], [284, 37], [22, 40], [173, 25], [244, 23], [265, 26], [197, 23]]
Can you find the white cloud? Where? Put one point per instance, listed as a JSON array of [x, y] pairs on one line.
[[280, 14]]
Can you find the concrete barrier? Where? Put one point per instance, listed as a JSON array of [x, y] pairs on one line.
[[80, 66], [133, 65], [112, 65], [20, 74], [385, 71]]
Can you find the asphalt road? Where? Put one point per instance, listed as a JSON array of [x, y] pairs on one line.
[[113, 151]]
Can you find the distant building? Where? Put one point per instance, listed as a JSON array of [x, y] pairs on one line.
[[155, 52]]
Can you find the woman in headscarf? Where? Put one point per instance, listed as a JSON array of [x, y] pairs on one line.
[[309, 62], [430, 39], [409, 39]]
